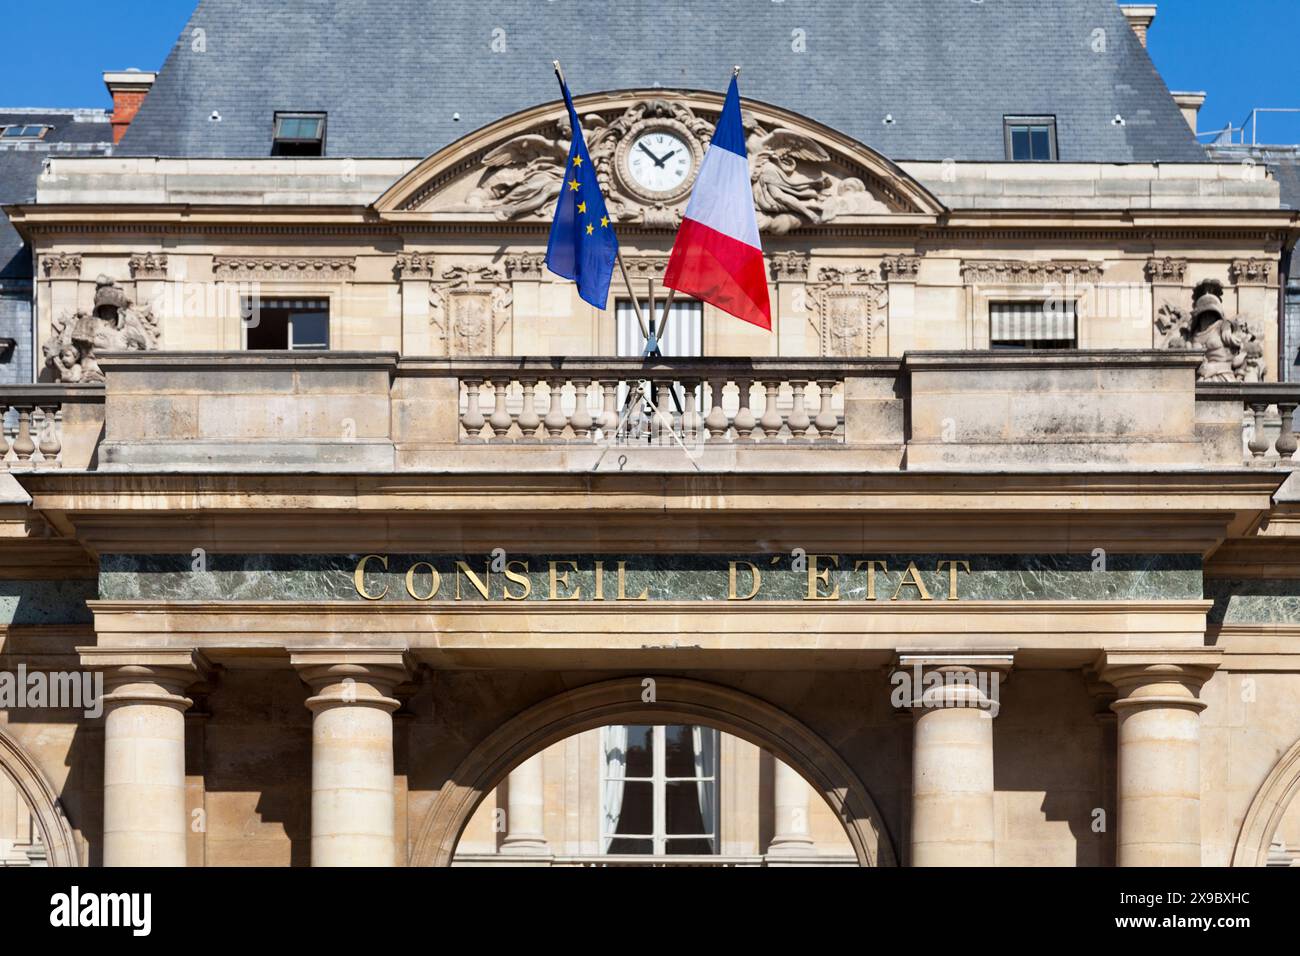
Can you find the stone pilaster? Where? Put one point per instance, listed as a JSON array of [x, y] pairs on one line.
[[790, 794], [352, 782], [954, 705], [1158, 743], [901, 273], [146, 822], [415, 272], [525, 810], [792, 308]]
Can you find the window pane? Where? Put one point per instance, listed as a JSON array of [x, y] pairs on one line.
[[311, 330], [681, 759], [640, 752], [299, 127], [687, 803], [1042, 148], [636, 812], [1020, 149]]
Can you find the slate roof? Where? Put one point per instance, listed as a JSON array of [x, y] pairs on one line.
[[72, 133], [391, 73]]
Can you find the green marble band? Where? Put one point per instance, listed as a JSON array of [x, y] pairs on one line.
[[46, 602], [266, 577], [1254, 601]]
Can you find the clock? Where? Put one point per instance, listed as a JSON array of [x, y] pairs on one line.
[[658, 160]]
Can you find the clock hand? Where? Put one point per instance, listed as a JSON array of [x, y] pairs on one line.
[[658, 162]]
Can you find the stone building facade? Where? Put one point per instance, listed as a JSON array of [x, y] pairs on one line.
[[388, 549]]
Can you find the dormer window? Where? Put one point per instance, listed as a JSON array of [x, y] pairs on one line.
[[299, 134], [24, 132], [1030, 139]]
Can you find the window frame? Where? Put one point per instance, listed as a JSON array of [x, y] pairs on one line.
[[1030, 121], [289, 297], [659, 781], [277, 140], [23, 136], [1008, 345]]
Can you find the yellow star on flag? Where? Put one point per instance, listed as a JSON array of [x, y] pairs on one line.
[[573, 185], [582, 207], [604, 222], [590, 229], [577, 160]]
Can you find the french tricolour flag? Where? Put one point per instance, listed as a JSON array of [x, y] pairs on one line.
[[717, 256]]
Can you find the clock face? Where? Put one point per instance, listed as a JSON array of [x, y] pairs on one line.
[[660, 161]]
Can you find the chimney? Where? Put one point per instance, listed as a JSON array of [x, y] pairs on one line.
[[128, 89], [1140, 17], [1190, 104]]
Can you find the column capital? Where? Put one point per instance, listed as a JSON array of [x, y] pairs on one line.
[[1146, 678], [950, 679], [352, 676], [148, 675]]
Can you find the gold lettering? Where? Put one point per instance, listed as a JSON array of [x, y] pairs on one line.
[[622, 585], [952, 576], [517, 578], [912, 579], [481, 586], [563, 578], [359, 577], [436, 581], [871, 575], [824, 577], [757, 579], [600, 581]]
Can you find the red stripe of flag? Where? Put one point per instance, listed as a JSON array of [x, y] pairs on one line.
[[722, 271]]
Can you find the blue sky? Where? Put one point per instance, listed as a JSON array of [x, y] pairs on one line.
[[1242, 54]]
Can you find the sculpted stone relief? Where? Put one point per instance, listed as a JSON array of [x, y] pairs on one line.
[[115, 324], [470, 308], [796, 181], [1233, 347], [848, 310]]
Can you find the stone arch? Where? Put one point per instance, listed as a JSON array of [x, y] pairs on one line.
[[1274, 796], [56, 832], [677, 700]]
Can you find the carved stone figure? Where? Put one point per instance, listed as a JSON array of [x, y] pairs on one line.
[[1233, 350], [785, 195], [115, 324]]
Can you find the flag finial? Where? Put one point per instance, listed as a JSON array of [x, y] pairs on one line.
[[735, 70]]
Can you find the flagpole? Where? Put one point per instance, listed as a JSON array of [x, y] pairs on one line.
[[627, 281]]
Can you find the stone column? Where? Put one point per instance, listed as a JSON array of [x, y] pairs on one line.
[[1159, 773], [790, 796], [525, 810], [145, 818], [352, 790], [952, 755]]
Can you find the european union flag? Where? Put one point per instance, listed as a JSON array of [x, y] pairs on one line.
[[583, 246]]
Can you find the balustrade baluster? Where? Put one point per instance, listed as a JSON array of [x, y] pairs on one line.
[[716, 422], [24, 447], [799, 421], [771, 420], [500, 420], [1286, 438], [690, 411], [663, 420], [1259, 440], [827, 421], [529, 421], [556, 420], [745, 422], [609, 416], [51, 441], [473, 419], [582, 421], [4, 430]]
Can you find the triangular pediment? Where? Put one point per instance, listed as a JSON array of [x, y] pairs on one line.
[[647, 146]]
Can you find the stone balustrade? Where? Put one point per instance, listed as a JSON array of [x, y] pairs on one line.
[[928, 411], [32, 436], [1269, 424], [674, 402]]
